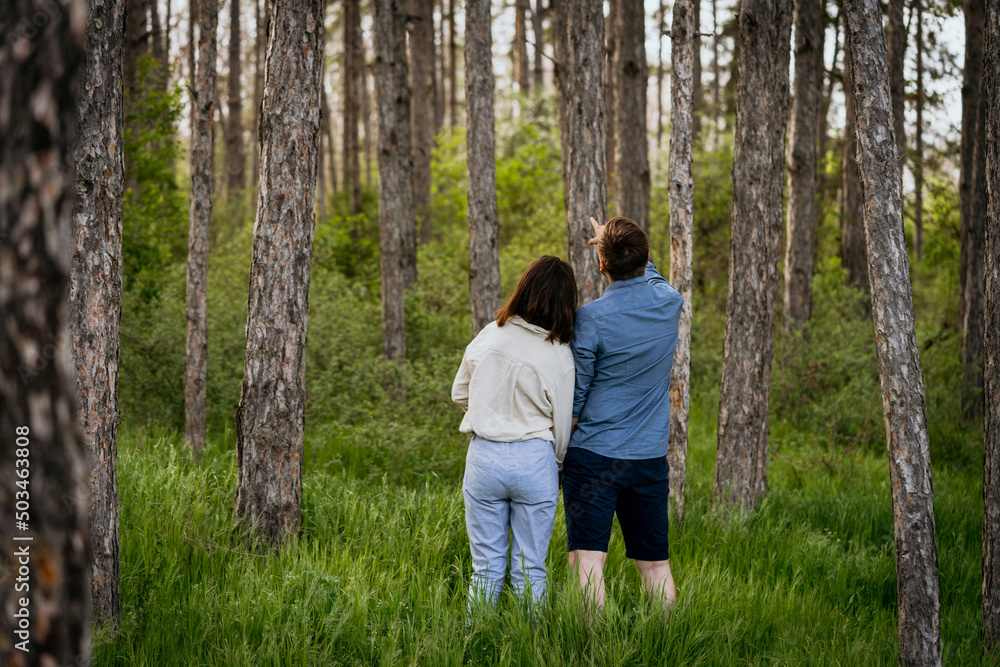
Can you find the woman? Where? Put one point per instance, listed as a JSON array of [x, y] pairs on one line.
[[516, 386]]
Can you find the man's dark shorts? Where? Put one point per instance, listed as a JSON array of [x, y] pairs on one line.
[[595, 487]]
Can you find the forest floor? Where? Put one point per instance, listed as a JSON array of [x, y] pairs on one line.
[[380, 573]]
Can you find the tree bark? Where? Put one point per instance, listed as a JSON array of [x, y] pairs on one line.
[[422, 109], [200, 218], [537, 24], [156, 37], [610, 104], [561, 75], [895, 341], [662, 27], [366, 114], [136, 40], [696, 94], [824, 113], [270, 418], [484, 224], [522, 67], [681, 179], [95, 295], [235, 161], [453, 67], [801, 223], [991, 344], [325, 110], [896, 33], [633, 144], [758, 165], [438, 72], [192, 53], [584, 161], [397, 222], [716, 83], [918, 154], [852, 240], [352, 74], [47, 541], [259, 48]]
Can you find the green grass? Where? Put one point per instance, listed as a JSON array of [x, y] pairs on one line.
[[380, 572]]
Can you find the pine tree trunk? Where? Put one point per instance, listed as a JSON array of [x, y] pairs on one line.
[[484, 224], [561, 73], [522, 68], [895, 341], [696, 101], [39, 425], [896, 34], [918, 154], [195, 370], [95, 294], [584, 160], [537, 24], [823, 131], [397, 222], [259, 53], [852, 240], [320, 170], [331, 146], [234, 135], [801, 223], [271, 413], [453, 67], [156, 35], [192, 53], [681, 179], [352, 74], [758, 165], [659, 78], [991, 345], [366, 115], [716, 83], [438, 72], [633, 145], [136, 40], [611, 105], [422, 109]]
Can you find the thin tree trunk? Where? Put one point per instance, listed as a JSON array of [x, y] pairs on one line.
[[46, 545], [918, 155], [136, 40], [852, 240], [633, 144], [991, 345], [352, 74], [696, 94], [235, 161], [561, 75], [584, 161], [659, 80], [895, 341], [195, 369], [95, 295], [366, 115], [522, 68], [320, 175], [422, 109], [438, 72], [896, 33], [484, 224], [331, 146], [166, 38], [716, 83], [397, 222], [801, 224], [270, 418], [192, 55], [681, 179], [260, 48], [610, 105], [453, 67], [758, 165], [822, 136], [537, 24], [156, 36]]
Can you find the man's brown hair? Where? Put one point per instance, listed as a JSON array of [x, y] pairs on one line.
[[546, 297], [624, 249]]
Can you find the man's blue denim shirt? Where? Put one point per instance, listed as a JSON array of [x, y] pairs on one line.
[[623, 346]]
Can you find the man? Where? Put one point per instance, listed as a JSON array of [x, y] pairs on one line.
[[623, 348]]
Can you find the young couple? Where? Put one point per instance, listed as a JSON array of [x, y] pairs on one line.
[[549, 387]]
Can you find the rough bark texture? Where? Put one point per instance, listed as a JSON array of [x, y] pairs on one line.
[[991, 426], [95, 295], [800, 231], [484, 223], [537, 25], [896, 34], [918, 152], [41, 61], [852, 234], [422, 109], [235, 160], [972, 197], [271, 414], [610, 104], [522, 67], [758, 164], [895, 341], [352, 74], [203, 104], [633, 145], [397, 223], [584, 178], [681, 238]]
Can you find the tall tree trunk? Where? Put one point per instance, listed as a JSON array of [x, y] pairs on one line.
[[896, 33], [192, 54], [453, 67], [438, 72], [235, 161], [48, 543], [633, 145], [659, 78], [895, 341], [422, 109], [537, 24], [852, 240], [156, 36], [584, 178], [136, 41], [260, 53], [320, 175], [716, 83], [610, 104], [991, 343], [366, 114], [681, 177], [972, 198], [397, 222], [352, 75], [522, 68], [801, 223], [95, 295], [822, 133], [484, 224], [202, 166], [696, 94], [758, 165], [918, 154], [271, 414], [331, 146], [166, 38], [561, 75]]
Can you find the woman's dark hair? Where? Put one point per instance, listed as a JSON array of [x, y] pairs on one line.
[[546, 297]]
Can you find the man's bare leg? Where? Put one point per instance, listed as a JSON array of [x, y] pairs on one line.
[[590, 569], [658, 580]]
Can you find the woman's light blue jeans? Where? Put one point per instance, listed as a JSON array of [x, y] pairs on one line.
[[509, 487]]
